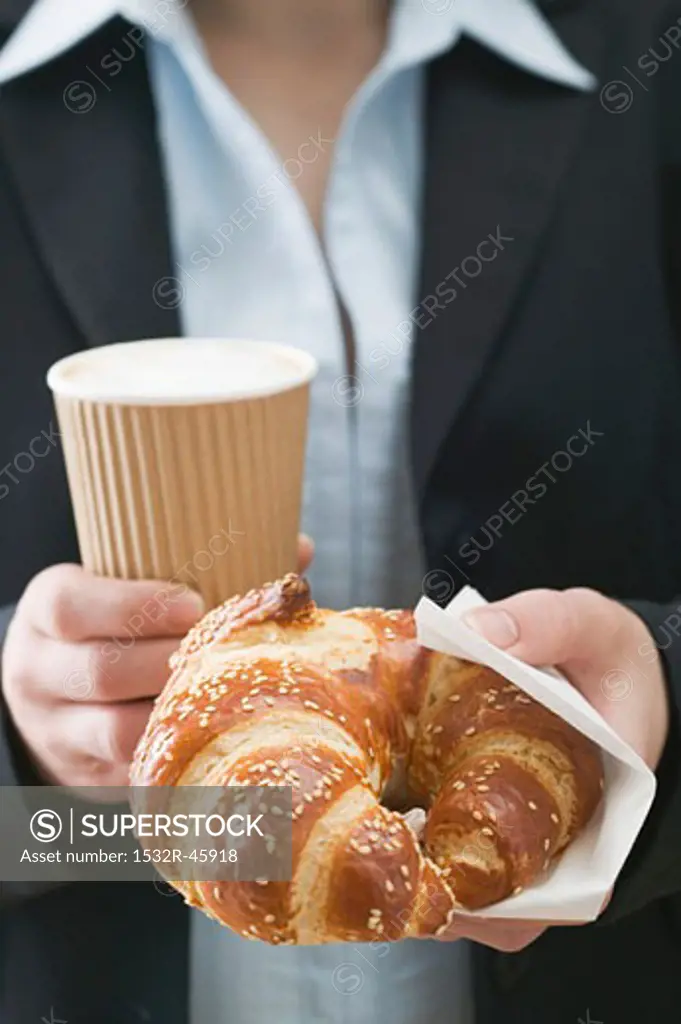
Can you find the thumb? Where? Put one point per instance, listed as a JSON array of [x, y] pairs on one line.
[[551, 627]]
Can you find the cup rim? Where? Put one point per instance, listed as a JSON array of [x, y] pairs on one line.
[[62, 386]]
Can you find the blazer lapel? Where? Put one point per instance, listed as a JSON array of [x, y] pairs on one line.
[[92, 189], [498, 145]]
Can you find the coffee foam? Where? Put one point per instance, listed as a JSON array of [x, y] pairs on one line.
[[181, 371]]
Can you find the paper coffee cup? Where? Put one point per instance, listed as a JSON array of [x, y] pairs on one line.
[[185, 459]]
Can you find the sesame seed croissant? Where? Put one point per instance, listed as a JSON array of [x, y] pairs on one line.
[[363, 723]]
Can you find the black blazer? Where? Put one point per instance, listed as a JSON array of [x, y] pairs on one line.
[[573, 329]]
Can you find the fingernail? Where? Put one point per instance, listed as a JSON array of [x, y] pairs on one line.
[[494, 624]]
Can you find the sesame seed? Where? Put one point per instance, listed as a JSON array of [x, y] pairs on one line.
[[389, 886], [270, 918], [478, 816], [459, 785], [532, 805], [454, 698], [547, 843], [437, 729], [217, 895], [469, 732], [555, 818], [483, 789], [404, 870], [518, 889], [487, 831]]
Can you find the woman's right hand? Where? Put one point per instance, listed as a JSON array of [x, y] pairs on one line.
[[83, 660]]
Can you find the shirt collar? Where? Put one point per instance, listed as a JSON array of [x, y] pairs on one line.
[[514, 29]]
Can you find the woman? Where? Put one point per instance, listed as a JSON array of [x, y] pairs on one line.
[[429, 197]]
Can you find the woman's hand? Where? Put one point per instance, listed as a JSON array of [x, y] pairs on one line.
[[607, 652], [83, 660]]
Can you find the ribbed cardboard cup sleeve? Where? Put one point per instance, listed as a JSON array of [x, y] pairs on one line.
[[207, 495]]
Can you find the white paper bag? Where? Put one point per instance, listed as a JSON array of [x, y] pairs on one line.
[[574, 890]]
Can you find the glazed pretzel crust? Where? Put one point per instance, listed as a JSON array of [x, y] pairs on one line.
[[348, 710]]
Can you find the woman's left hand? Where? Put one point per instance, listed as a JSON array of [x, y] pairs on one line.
[[607, 652]]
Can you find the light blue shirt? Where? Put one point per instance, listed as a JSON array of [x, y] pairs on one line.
[[249, 263]]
